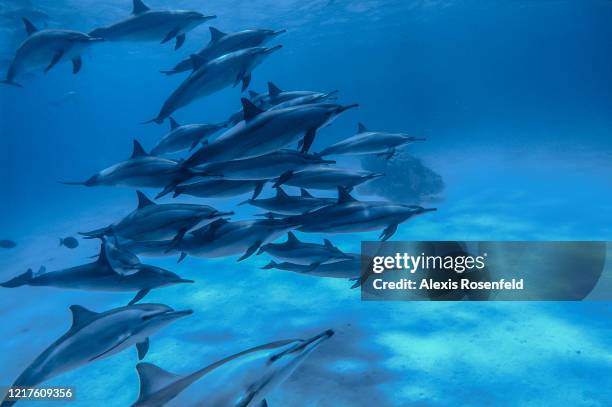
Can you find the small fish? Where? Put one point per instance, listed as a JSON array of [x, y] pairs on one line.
[[7, 244], [69, 242]]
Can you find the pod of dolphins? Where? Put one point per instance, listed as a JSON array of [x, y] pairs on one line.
[[266, 142]]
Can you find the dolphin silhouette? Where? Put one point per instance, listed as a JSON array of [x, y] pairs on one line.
[[223, 43], [47, 48], [153, 25], [284, 204], [244, 379], [185, 137], [327, 178], [349, 268], [308, 254], [94, 336], [216, 188]]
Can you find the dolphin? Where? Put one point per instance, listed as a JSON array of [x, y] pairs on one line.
[[222, 238], [140, 170], [349, 215], [327, 178], [216, 188], [349, 268], [114, 270], [263, 132], [153, 25], [370, 142], [244, 379], [185, 137], [309, 254], [150, 221], [276, 96], [223, 43], [212, 76], [47, 48], [283, 162], [95, 336], [284, 204]]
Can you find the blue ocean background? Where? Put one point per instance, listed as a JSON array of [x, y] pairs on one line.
[[515, 100]]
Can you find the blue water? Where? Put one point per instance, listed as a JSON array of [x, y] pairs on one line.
[[514, 99]]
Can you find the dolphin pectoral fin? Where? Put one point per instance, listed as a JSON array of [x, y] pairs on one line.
[[180, 40], [139, 296], [142, 348], [258, 189], [182, 257], [250, 250], [177, 239], [195, 144], [312, 267], [11, 83], [284, 177], [170, 35], [308, 139], [56, 58], [246, 80], [77, 63], [388, 232]]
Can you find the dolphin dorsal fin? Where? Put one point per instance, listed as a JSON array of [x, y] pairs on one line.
[[253, 94], [153, 379], [138, 151], [292, 239], [197, 61], [361, 128], [29, 27], [328, 244], [344, 196], [280, 193], [249, 110], [273, 90], [143, 201], [173, 123], [81, 316], [139, 7], [215, 34], [305, 194]]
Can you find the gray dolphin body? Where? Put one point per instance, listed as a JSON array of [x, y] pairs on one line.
[[264, 167], [328, 178], [218, 188], [223, 43], [212, 76], [277, 96], [284, 204], [308, 254], [114, 270], [349, 268], [153, 25], [349, 216], [244, 379], [47, 48], [263, 132], [140, 170], [223, 238], [150, 221], [370, 142], [94, 336], [186, 137]]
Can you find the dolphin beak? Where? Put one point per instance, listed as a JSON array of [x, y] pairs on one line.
[[279, 32], [327, 161], [429, 210], [272, 49], [176, 314], [342, 109], [316, 340], [182, 280], [206, 18]]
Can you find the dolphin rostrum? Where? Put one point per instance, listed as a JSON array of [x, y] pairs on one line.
[[216, 188], [244, 379], [94, 336], [140, 170], [222, 238], [284, 204], [47, 48], [114, 270], [369, 142], [223, 43], [153, 25], [308, 254], [186, 137], [327, 178], [150, 221], [349, 268], [212, 76], [349, 215], [263, 132]]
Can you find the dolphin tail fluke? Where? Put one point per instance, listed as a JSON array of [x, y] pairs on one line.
[[139, 296], [11, 83], [250, 251], [18, 281]]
